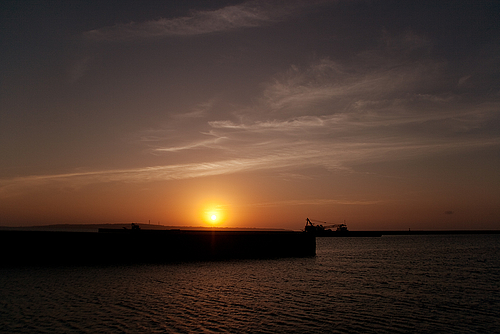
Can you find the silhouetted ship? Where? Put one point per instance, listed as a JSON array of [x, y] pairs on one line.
[[135, 245], [339, 230]]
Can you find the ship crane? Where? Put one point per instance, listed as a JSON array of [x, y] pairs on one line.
[[311, 227]]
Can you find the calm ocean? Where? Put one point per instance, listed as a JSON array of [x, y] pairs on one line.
[[392, 284]]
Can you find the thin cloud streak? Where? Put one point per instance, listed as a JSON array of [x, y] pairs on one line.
[[290, 124], [11, 186], [246, 15], [309, 202], [211, 143], [334, 156], [326, 80]]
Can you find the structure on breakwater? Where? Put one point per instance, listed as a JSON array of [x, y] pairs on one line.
[[340, 230]]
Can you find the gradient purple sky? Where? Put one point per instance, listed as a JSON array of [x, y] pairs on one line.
[[385, 114]]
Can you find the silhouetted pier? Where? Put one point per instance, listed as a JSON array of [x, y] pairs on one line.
[[115, 246]]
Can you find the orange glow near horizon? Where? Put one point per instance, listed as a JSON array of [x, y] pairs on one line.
[[214, 214]]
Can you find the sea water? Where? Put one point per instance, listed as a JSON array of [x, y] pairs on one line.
[[392, 284]]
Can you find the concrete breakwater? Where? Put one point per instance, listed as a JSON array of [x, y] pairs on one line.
[[112, 246]]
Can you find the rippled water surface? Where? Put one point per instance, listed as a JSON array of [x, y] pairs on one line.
[[406, 284]]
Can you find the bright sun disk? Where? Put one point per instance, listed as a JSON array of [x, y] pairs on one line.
[[214, 217]]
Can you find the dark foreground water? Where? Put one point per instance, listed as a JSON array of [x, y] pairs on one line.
[[393, 284]]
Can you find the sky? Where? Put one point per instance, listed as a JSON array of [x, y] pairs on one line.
[[383, 114]]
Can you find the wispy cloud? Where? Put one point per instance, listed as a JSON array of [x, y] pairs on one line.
[[279, 156], [169, 139], [326, 83], [210, 143], [245, 15], [326, 114], [198, 111], [299, 122], [334, 115], [400, 109], [309, 202], [10, 187]]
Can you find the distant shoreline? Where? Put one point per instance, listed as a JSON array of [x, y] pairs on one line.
[[143, 226], [96, 227]]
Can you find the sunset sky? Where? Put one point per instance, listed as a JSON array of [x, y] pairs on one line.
[[385, 114]]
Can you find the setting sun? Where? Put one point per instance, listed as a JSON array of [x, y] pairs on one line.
[[214, 213]]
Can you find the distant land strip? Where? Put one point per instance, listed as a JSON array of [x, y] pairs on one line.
[[96, 227], [143, 226]]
